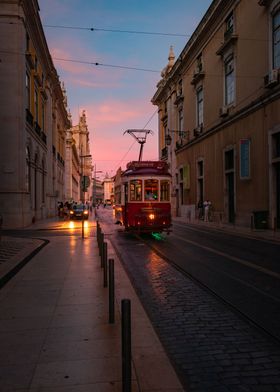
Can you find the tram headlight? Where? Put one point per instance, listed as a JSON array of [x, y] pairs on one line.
[[151, 216]]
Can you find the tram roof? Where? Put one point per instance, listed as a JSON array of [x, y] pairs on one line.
[[146, 168]]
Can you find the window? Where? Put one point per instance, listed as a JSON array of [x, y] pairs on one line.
[[136, 190], [276, 39], [43, 115], [229, 160], [164, 190], [43, 181], [276, 145], [151, 190], [27, 42], [27, 90], [36, 105], [200, 189], [28, 172], [229, 25], [229, 80], [180, 122], [199, 65], [199, 104]]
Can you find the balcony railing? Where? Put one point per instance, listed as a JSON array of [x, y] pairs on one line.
[[37, 128], [29, 117], [164, 152]]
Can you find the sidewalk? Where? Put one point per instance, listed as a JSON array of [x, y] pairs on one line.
[[230, 228], [54, 330]]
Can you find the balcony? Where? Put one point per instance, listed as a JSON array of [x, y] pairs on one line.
[[229, 39], [179, 98], [164, 153], [37, 128], [197, 75], [44, 137], [29, 117], [30, 60], [38, 78]]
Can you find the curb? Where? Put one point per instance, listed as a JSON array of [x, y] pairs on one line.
[[17, 266]]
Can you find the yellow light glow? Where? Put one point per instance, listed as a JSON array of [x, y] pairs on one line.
[[152, 216], [71, 225]]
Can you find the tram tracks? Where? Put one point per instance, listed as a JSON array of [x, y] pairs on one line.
[[215, 292]]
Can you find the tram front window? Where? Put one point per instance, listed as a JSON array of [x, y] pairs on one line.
[[151, 190], [136, 190]]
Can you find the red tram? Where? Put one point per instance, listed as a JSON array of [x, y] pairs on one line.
[[142, 197]]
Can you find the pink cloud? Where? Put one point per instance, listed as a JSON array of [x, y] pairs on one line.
[[107, 121]]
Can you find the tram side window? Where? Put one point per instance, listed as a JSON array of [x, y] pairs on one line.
[[164, 190], [151, 190], [136, 190]]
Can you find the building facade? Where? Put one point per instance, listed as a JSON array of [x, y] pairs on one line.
[[108, 185], [219, 115], [78, 165], [33, 118]]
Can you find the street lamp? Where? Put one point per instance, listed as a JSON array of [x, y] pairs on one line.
[[83, 192], [168, 138]]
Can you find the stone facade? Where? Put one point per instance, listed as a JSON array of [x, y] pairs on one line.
[[33, 118], [79, 163], [219, 115]]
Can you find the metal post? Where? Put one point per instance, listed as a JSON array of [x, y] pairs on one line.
[[101, 244], [103, 254], [126, 345], [83, 227], [105, 266], [111, 292]]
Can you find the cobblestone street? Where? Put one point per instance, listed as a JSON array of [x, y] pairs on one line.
[[212, 347]]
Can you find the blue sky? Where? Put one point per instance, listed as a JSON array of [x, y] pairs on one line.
[[116, 99]]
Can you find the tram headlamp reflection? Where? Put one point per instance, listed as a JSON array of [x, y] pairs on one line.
[[151, 216]]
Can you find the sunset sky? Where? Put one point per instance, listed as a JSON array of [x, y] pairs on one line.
[[116, 99]]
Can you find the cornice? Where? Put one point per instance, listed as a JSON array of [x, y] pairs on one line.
[[212, 19]]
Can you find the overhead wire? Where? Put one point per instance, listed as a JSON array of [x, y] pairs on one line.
[[117, 30], [106, 65]]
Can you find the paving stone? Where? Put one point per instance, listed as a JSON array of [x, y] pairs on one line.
[[194, 326]]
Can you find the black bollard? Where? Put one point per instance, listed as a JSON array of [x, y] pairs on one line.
[[83, 228], [111, 292], [103, 253], [105, 266], [101, 244], [126, 346]]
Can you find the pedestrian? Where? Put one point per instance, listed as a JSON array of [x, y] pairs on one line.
[[207, 205], [200, 209]]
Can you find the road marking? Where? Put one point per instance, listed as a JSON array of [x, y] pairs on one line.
[[233, 258]]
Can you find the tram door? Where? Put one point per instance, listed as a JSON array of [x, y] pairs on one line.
[[125, 203]]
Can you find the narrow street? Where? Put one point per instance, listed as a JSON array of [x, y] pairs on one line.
[[212, 297]]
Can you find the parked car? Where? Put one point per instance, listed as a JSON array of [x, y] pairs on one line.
[[79, 211]]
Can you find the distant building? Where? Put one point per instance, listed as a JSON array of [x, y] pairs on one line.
[[108, 184], [78, 162], [33, 117], [219, 115]]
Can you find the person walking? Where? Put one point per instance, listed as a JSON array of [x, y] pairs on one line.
[[200, 209], [207, 205]]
